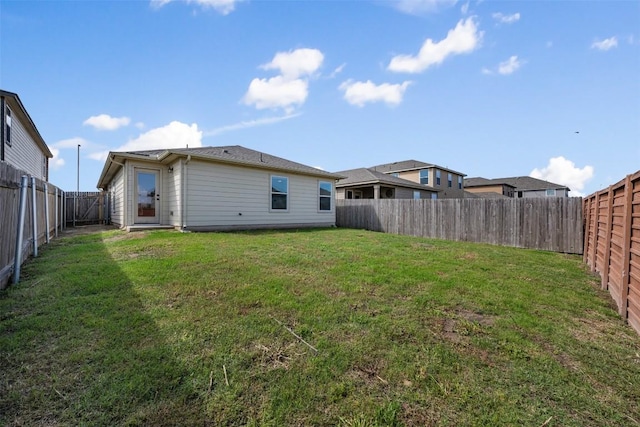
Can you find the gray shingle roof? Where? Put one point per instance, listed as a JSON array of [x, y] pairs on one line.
[[520, 183], [484, 195], [407, 165], [233, 154], [362, 176]]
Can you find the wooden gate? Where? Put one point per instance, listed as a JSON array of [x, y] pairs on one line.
[[87, 207]]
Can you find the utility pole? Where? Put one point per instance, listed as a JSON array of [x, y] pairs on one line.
[[75, 199]]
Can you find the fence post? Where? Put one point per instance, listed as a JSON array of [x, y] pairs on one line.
[[594, 241], [587, 228], [604, 274], [24, 185], [64, 210], [47, 237], [626, 248], [56, 219], [34, 217]]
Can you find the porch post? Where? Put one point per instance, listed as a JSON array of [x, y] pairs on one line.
[[376, 191]]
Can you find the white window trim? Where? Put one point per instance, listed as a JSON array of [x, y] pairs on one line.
[[271, 193], [331, 197], [550, 192]]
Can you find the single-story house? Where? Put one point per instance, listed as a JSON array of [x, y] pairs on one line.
[[366, 183], [216, 188], [448, 183], [21, 145], [518, 186]]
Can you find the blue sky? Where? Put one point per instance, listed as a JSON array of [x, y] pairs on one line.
[[487, 88]]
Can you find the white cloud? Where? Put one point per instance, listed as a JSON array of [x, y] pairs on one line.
[[250, 124], [223, 7], [106, 122], [360, 93], [509, 66], [139, 125], [605, 44], [296, 63], [417, 7], [173, 135], [464, 8], [277, 92], [289, 89], [56, 162], [72, 143], [464, 38], [337, 71], [563, 171], [506, 19]]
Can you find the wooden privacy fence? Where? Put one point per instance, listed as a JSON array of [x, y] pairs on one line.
[[553, 224], [612, 243], [89, 207], [47, 212]]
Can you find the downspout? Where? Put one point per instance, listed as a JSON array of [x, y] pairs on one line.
[[183, 205], [124, 192]]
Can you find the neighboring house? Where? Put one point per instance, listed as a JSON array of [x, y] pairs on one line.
[[366, 183], [486, 187], [216, 188], [448, 183], [483, 195], [21, 144], [519, 186]]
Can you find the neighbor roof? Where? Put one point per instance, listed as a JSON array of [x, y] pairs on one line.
[[520, 183], [15, 102], [484, 195], [364, 176], [232, 154], [408, 165]]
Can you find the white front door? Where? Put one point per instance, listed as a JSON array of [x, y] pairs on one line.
[[147, 196]]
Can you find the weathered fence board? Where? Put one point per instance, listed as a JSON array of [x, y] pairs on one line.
[[89, 207], [612, 243], [553, 224], [10, 179]]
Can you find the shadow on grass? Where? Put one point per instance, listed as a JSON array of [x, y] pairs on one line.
[[77, 347]]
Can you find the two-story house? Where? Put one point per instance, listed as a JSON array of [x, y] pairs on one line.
[[448, 183], [21, 145], [518, 187]]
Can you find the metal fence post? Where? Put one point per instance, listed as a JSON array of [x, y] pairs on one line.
[[34, 216], [47, 237], [20, 232], [57, 212]]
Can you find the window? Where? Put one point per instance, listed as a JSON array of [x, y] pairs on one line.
[[416, 194], [449, 180], [459, 183], [8, 127], [354, 194], [551, 192], [424, 176], [437, 177], [519, 194], [396, 174], [434, 196], [325, 193], [279, 193]]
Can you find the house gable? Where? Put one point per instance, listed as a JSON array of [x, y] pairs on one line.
[[20, 142]]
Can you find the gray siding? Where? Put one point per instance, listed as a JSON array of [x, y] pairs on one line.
[[24, 153], [117, 198], [541, 193], [172, 196], [224, 196]]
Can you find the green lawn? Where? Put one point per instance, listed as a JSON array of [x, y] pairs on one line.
[[164, 328]]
